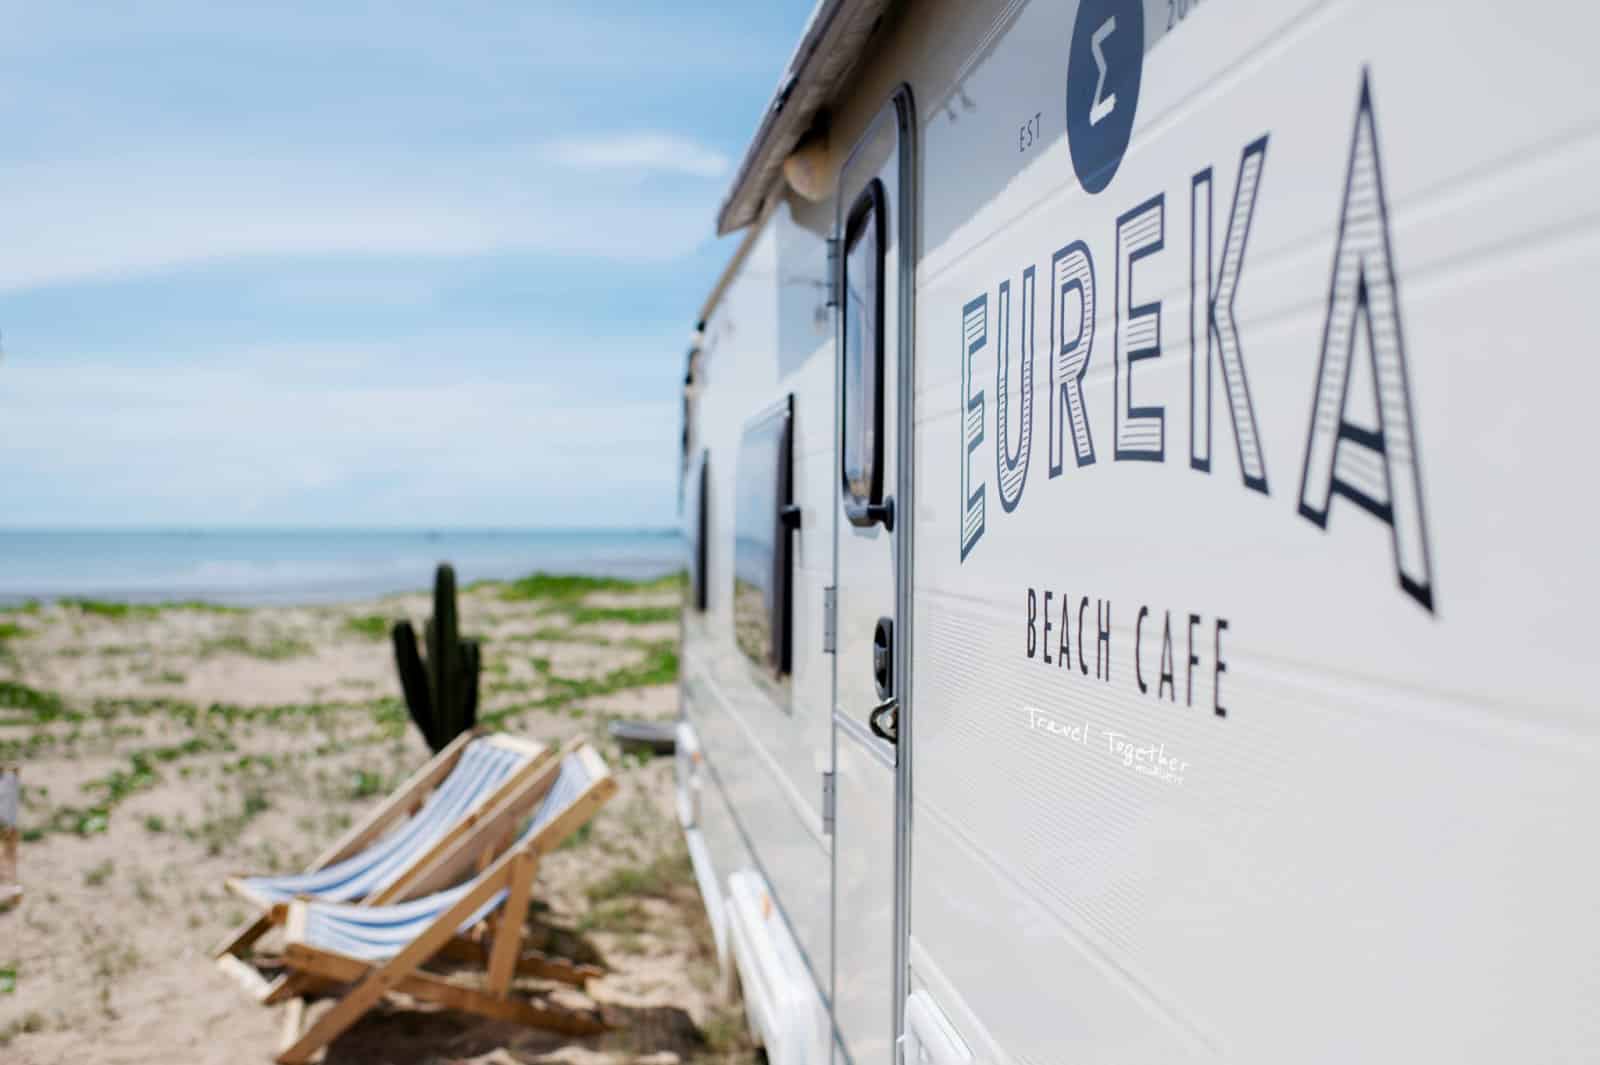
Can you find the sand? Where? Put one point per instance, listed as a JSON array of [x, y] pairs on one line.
[[164, 749]]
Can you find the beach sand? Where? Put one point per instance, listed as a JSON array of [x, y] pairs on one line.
[[163, 749]]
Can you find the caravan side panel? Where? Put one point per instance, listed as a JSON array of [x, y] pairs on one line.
[[765, 745], [1254, 718]]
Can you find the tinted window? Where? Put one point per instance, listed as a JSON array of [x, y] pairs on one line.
[[761, 576], [696, 514], [862, 379]]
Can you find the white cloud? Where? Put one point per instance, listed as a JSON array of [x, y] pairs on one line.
[[661, 152], [92, 218], [303, 435]]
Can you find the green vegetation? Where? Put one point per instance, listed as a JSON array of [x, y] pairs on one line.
[[155, 823], [657, 880], [660, 666], [364, 784], [620, 916], [550, 634], [201, 606], [221, 832], [569, 588], [372, 626], [276, 648], [45, 706], [99, 874], [27, 1024], [10, 630], [632, 615], [116, 610], [107, 609], [8, 979]]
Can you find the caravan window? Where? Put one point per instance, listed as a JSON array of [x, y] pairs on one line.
[[696, 514], [761, 555], [861, 455]]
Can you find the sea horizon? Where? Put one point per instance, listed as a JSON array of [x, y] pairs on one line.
[[265, 565]]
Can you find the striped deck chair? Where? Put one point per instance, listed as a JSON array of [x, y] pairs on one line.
[[429, 814], [382, 948]]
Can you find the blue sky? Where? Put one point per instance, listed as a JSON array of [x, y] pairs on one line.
[[361, 263]]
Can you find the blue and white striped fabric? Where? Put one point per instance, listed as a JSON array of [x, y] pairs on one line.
[[374, 933], [483, 766]]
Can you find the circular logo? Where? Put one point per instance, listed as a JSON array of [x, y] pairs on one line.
[[1103, 69]]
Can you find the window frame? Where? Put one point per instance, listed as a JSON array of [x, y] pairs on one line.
[[868, 208], [784, 517]]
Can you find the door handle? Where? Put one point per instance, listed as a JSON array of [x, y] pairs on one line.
[[886, 711]]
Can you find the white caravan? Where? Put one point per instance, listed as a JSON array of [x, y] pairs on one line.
[[1141, 563]]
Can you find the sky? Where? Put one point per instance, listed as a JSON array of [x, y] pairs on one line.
[[362, 264]]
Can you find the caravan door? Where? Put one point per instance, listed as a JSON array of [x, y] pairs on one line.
[[872, 578]]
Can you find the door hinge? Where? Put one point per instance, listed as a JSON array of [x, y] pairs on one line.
[[830, 619], [833, 271], [827, 803]]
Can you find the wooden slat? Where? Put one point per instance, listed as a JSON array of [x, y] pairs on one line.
[[489, 839], [528, 748], [532, 963], [508, 937], [407, 798], [246, 976], [242, 937], [378, 981], [294, 1020], [582, 809], [400, 972], [431, 988], [471, 831]]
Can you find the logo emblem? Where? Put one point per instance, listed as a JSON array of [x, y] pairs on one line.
[[1103, 69]]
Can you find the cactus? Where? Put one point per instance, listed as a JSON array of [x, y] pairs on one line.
[[441, 693]]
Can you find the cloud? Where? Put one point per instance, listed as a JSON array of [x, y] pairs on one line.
[[663, 152], [86, 219], [310, 435]]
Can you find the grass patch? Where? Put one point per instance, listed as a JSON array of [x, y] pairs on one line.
[[550, 634], [371, 626], [29, 1023], [220, 833], [155, 823], [99, 874], [104, 608], [110, 608], [364, 784], [201, 606], [570, 587], [8, 979], [275, 649], [620, 916], [660, 666], [657, 880], [631, 615], [10, 630], [45, 706]]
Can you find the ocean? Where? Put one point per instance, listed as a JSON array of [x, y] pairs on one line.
[[258, 567]]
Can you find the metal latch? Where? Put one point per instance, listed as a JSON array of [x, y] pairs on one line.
[[830, 619], [827, 803]]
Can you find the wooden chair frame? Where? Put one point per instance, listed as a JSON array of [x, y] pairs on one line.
[[312, 967], [405, 802]]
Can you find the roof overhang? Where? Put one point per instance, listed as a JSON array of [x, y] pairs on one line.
[[834, 41]]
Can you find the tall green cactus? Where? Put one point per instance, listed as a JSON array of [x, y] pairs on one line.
[[442, 694]]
